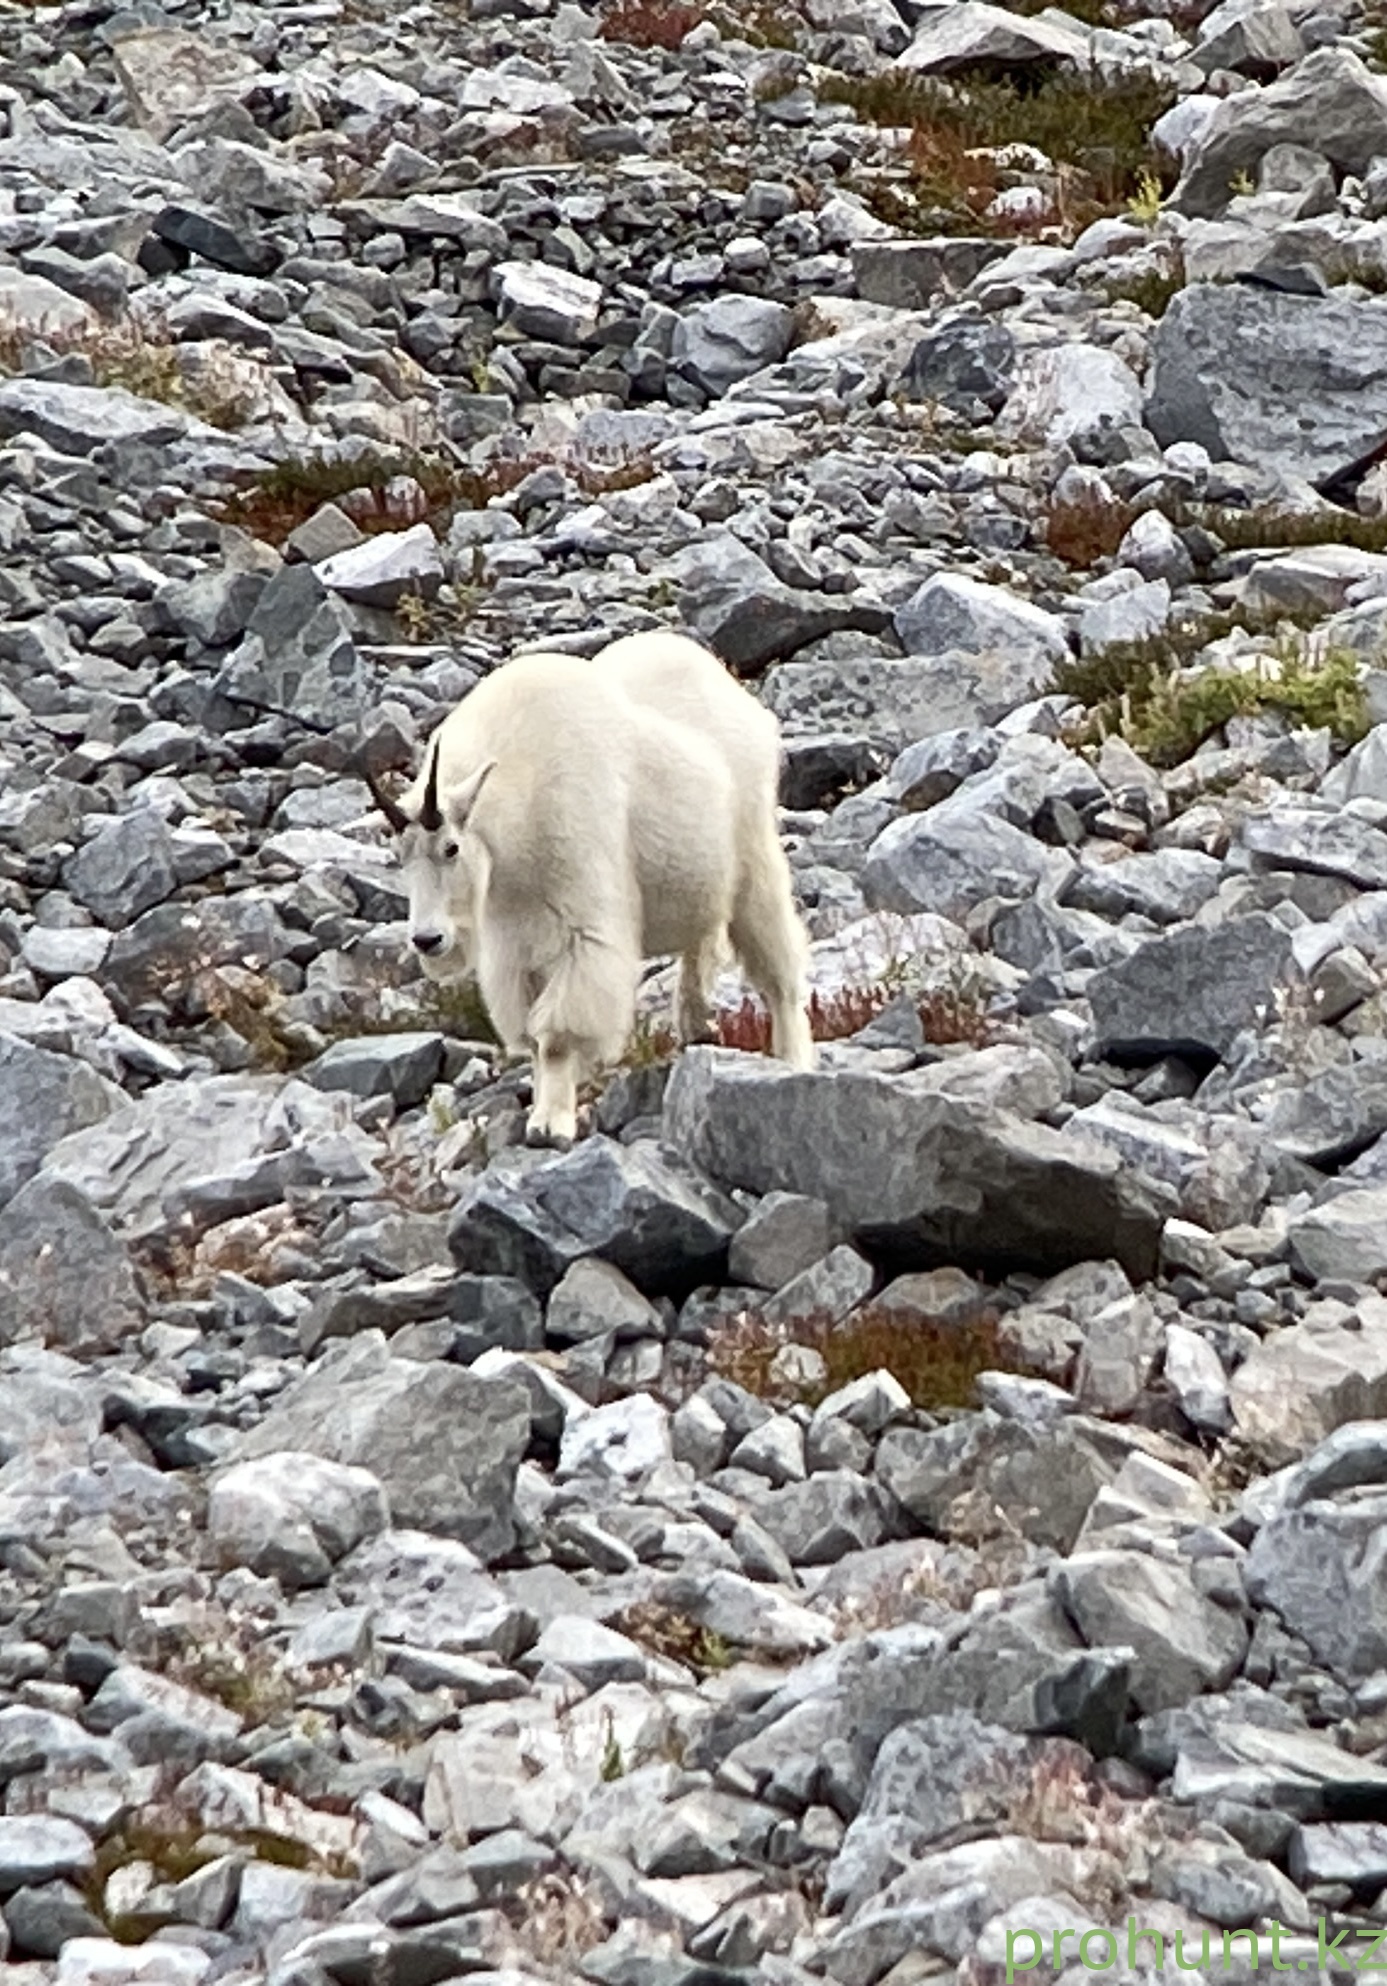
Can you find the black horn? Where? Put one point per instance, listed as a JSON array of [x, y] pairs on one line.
[[396, 815], [430, 819]]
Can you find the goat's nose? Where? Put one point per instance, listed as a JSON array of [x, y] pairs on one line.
[[428, 941]]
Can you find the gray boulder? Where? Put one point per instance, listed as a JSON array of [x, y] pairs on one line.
[[1333, 1116], [1323, 1567], [127, 867], [297, 655], [952, 611], [81, 420], [1316, 841], [949, 862], [1352, 1852], [35, 1849], [731, 600], [221, 1144], [1295, 384], [785, 1234], [1191, 991], [1071, 393], [725, 339], [44, 1098], [1184, 1642], [901, 701], [972, 34], [908, 275], [1168, 886], [1300, 1772], [386, 567], [1044, 1479], [1344, 1239], [402, 1066], [428, 1594], [64, 1276], [1330, 103], [817, 1521], [542, 301], [166, 947], [652, 1218], [443, 1444], [1300, 1384], [968, 361], [934, 1778], [921, 1176], [292, 1515], [1253, 37]]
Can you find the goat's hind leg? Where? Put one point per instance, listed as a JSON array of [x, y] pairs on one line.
[[698, 968], [769, 940]]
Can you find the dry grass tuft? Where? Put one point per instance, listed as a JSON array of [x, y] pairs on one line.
[[1093, 126], [390, 491], [673, 1636], [937, 1363], [558, 1917], [147, 361]]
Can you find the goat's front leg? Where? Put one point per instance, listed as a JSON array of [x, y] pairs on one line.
[[553, 1118]]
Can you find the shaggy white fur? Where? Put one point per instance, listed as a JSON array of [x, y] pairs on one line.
[[572, 819]]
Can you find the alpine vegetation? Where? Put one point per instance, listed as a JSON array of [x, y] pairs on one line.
[[573, 818]]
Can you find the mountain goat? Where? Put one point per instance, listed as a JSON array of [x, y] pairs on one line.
[[573, 818]]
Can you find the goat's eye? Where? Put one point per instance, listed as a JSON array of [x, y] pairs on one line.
[[450, 849]]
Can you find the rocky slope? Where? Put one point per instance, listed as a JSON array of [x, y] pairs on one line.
[[818, 1525]]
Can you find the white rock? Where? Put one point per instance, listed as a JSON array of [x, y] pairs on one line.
[[168, 74], [65, 951], [1195, 1375], [543, 302], [1066, 391], [1135, 614], [1152, 547], [102, 1962], [294, 1513], [971, 31], [380, 97], [382, 569], [951, 611], [1179, 129], [624, 1439], [868, 1403], [1300, 1384]]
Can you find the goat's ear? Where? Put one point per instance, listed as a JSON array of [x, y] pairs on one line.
[[461, 803]]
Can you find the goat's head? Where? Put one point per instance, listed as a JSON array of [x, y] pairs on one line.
[[441, 862]]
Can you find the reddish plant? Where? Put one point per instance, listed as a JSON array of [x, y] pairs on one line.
[[944, 1016], [1083, 528], [650, 23]]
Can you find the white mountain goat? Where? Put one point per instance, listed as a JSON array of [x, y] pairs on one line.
[[574, 818]]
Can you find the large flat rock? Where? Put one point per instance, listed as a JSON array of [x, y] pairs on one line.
[[917, 1175], [1290, 383]]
